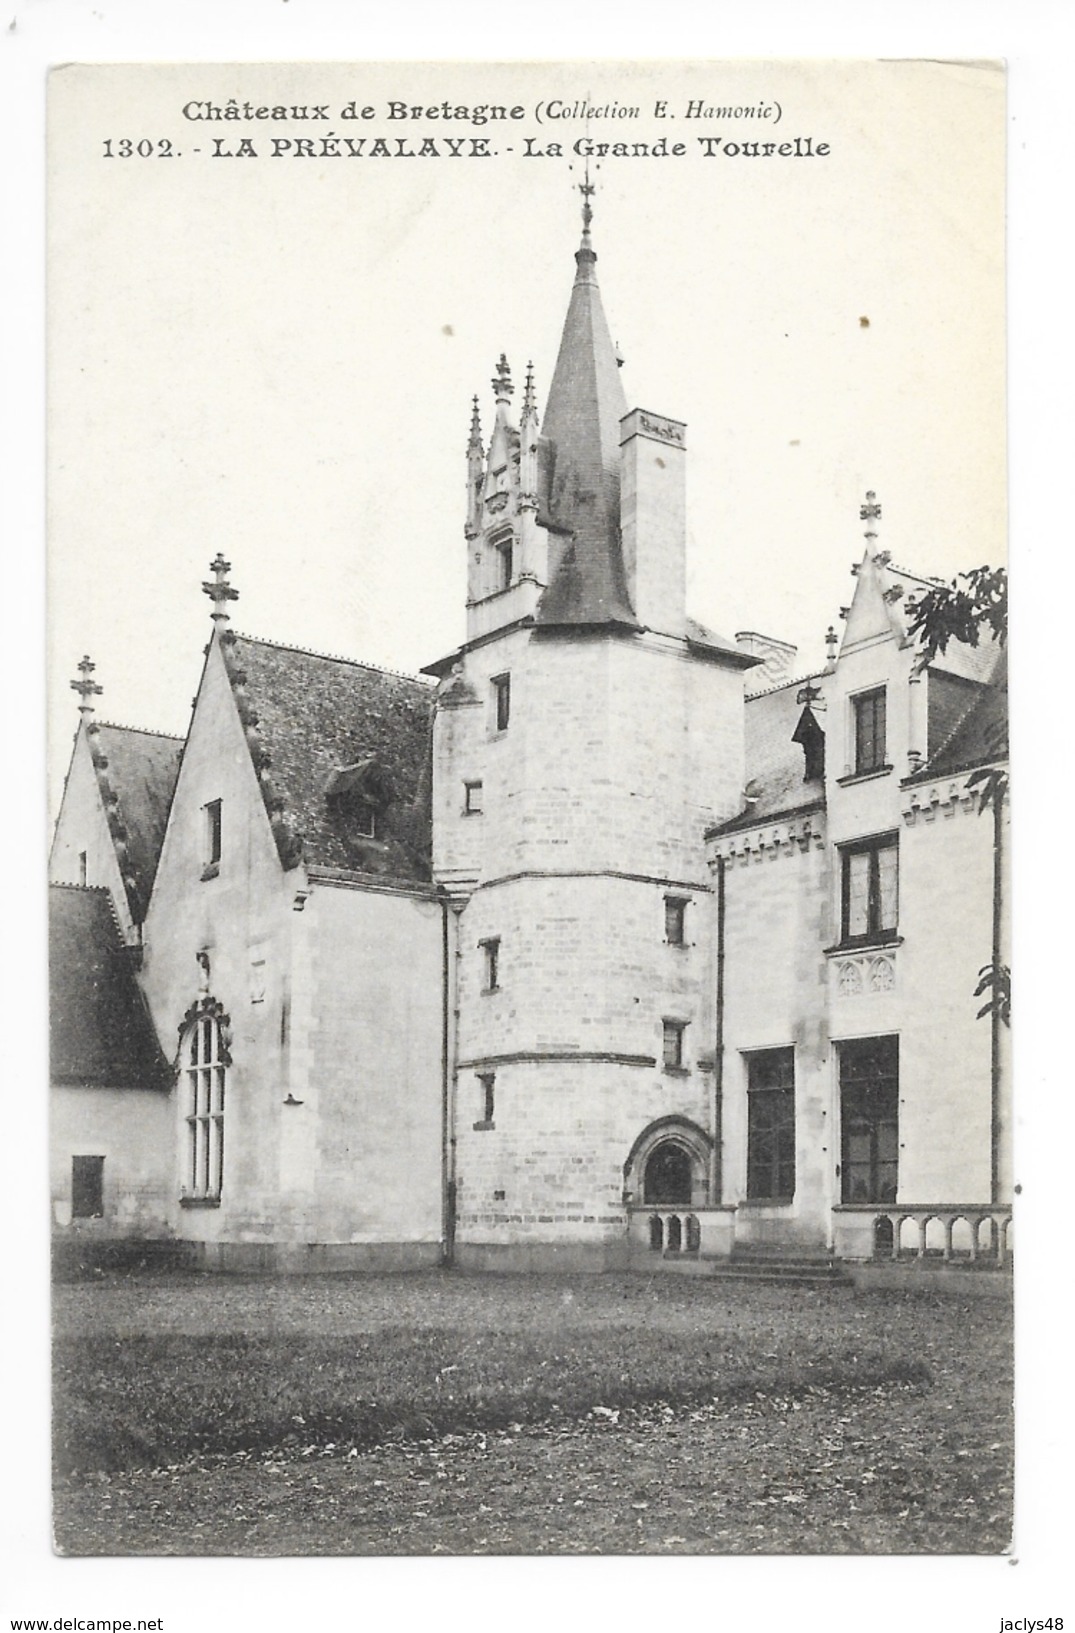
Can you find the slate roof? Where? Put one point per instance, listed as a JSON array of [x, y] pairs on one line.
[[700, 635], [775, 766], [99, 1027], [980, 737], [983, 663], [308, 717], [139, 768], [579, 465]]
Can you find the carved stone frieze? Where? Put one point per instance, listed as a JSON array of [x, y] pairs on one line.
[[769, 841], [858, 975]]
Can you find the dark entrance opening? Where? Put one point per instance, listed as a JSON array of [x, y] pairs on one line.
[[668, 1176], [87, 1187]]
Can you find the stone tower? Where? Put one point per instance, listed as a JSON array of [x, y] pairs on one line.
[[587, 732]]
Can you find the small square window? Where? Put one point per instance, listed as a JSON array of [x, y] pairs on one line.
[[501, 701], [870, 747], [212, 839], [472, 799], [87, 1187], [673, 1040], [490, 951], [675, 920]]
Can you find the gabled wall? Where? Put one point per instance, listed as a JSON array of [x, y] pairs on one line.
[[83, 826], [333, 992], [240, 919]]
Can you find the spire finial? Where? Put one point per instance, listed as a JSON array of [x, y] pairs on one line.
[[86, 688], [502, 385], [219, 590], [832, 641], [585, 255], [587, 189], [870, 512], [529, 396], [475, 428]]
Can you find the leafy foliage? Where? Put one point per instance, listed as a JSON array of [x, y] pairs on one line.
[[959, 611], [996, 980], [991, 786]]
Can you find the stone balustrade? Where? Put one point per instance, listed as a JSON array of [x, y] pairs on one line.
[[672, 1230], [967, 1233]]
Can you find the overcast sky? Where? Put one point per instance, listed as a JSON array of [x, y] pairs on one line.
[[274, 356]]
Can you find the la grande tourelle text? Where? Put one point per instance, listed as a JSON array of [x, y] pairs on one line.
[[334, 146]]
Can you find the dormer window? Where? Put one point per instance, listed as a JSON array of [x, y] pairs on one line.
[[869, 720], [357, 796]]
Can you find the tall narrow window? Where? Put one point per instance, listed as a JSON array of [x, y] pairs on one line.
[[87, 1187], [501, 701], [869, 710], [487, 1089], [870, 889], [673, 1033], [213, 839], [675, 920], [204, 1070], [83, 869], [771, 1125], [490, 951], [504, 562], [472, 799], [869, 1116]]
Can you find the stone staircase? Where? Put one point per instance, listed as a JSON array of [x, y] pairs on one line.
[[750, 1262]]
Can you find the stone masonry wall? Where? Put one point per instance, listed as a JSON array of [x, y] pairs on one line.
[[241, 919]]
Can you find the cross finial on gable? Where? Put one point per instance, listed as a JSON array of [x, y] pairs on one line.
[[870, 513], [86, 688], [219, 591]]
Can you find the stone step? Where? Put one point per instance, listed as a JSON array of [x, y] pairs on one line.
[[794, 1272]]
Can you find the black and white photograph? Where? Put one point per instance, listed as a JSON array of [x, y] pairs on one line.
[[530, 900]]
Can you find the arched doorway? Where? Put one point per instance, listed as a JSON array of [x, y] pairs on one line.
[[668, 1165], [668, 1178]]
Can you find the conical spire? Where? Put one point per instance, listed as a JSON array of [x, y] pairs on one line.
[[581, 486]]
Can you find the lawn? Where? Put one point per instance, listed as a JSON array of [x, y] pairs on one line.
[[441, 1412]]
